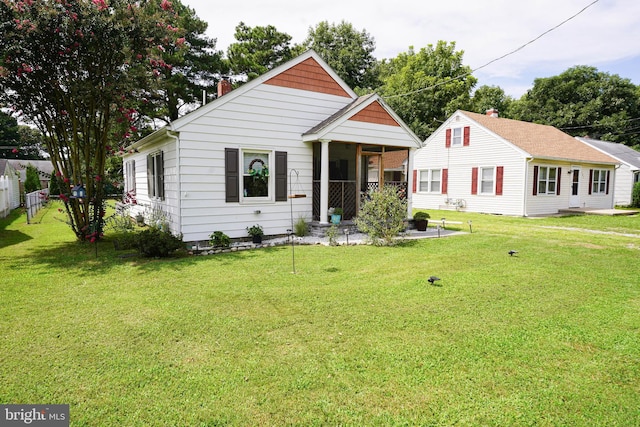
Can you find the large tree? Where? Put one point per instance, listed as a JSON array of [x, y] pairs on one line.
[[258, 50], [426, 87], [9, 137], [77, 70], [584, 101], [488, 97], [193, 66], [348, 51]]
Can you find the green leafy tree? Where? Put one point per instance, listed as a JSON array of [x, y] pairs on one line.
[[348, 51], [9, 137], [583, 101], [258, 50], [32, 144], [488, 97], [32, 179], [77, 70], [426, 87], [189, 66]]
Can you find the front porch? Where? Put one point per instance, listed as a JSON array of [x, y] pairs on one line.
[[343, 173]]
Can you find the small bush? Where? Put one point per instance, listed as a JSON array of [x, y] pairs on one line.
[[156, 243], [32, 181], [332, 235], [219, 239], [421, 216], [301, 228], [382, 215], [635, 196]]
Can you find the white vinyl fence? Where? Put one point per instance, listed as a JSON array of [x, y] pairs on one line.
[[5, 196], [34, 201]]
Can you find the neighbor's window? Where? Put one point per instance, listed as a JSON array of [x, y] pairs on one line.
[[487, 176], [547, 177], [255, 174], [456, 136], [599, 182], [431, 181]]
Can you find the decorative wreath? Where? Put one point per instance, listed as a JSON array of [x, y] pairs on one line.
[[263, 172]]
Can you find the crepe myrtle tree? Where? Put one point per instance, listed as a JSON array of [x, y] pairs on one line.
[[77, 70]]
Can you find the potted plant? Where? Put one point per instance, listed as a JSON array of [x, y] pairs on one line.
[[421, 220], [336, 216], [256, 232]]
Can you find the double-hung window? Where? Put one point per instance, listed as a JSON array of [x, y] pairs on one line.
[[130, 177], [431, 181], [155, 175], [255, 174], [456, 137], [599, 181], [547, 180], [487, 179]]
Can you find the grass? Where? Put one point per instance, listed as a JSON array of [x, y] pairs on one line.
[[356, 337]]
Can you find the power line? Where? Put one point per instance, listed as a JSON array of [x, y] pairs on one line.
[[496, 59]]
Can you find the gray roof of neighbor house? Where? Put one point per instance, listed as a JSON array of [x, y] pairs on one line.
[[616, 150], [540, 141]]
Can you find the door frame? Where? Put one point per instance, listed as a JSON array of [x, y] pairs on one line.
[[574, 199]]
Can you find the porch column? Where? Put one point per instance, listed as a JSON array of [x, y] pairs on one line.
[[410, 182], [324, 180]]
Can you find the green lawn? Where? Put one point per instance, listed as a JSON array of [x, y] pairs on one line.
[[357, 337]]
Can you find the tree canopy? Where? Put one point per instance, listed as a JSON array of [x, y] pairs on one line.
[[488, 97], [583, 101], [258, 50], [348, 51], [427, 86], [78, 70]]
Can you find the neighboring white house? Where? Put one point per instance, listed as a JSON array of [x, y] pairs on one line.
[[240, 160], [627, 174], [9, 188], [483, 163]]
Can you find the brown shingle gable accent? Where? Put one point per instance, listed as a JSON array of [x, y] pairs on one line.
[[540, 140], [375, 113], [308, 75]]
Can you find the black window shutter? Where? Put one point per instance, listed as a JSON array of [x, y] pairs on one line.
[[535, 180], [608, 176], [590, 180], [281, 176], [150, 189], [558, 178], [231, 175], [159, 170]]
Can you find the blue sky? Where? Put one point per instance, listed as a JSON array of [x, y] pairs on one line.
[[605, 35]]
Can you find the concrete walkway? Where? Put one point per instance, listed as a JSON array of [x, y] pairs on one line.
[[592, 211]]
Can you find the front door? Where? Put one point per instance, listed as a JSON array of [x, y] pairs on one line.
[[574, 200]]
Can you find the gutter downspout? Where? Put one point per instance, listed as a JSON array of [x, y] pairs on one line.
[[174, 135], [526, 185]]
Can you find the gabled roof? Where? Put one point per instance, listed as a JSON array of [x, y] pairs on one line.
[[540, 141], [618, 151], [307, 71], [368, 108]]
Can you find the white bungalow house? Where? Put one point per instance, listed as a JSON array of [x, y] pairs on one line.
[[627, 173], [484, 163], [249, 156]]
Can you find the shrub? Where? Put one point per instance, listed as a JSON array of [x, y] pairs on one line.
[[332, 235], [421, 216], [219, 239], [255, 230], [301, 228], [154, 242], [382, 215], [635, 195]]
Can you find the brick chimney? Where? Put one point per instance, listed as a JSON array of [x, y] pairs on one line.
[[224, 86], [492, 112]]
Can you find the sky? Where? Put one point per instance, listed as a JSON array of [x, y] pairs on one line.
[[605, 35]]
